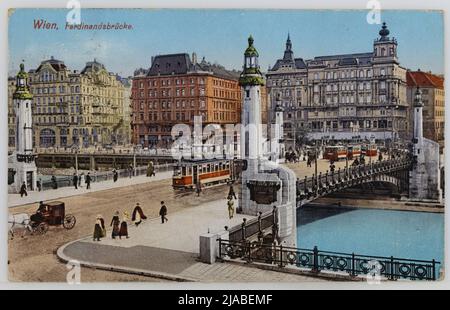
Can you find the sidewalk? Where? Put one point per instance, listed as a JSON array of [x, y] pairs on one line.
[[170, 250], [52, 194]]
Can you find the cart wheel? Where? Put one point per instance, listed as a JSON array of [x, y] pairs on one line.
[[69, 221], [41, 229]]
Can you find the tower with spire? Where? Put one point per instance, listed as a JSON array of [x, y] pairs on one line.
[[22, 161], [251, 81], [288, 53], [265, 184], [385, 47]]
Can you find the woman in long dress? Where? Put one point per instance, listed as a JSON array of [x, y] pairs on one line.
[[115, 223], [99, 228], [123, 232], [138, 215], [81, 180]]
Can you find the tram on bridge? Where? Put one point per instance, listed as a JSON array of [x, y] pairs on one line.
[[188, 174], [338, 152]]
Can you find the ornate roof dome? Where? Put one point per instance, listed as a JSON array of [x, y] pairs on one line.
[[251, 50], [384, 32]]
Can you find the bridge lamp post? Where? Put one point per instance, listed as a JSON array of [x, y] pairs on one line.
[[76, 161], [393, 108]]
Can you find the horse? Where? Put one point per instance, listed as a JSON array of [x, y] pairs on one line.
[[19, 221]]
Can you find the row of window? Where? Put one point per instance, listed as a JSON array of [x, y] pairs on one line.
[[168, 104], [179, 92], [168, 82]]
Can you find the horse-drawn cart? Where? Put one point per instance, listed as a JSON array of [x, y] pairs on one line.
[[48, 214], [54, 214]]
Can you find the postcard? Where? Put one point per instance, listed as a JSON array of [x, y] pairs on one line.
[[225, 145]]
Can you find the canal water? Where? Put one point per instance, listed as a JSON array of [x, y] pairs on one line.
[[402, 234]]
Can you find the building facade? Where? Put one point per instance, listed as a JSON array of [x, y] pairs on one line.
[[75, 108], [341, 97], [433, 98], [174, 90]]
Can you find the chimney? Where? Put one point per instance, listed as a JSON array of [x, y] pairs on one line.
[[194, 58], [153, 58]]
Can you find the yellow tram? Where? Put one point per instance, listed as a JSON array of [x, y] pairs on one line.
[[208, 172]]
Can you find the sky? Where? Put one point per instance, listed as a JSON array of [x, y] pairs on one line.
[[220, 36]]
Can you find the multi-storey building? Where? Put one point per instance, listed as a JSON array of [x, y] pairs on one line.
[[433, 98], [174, 90], [73, 108], [342, 97]]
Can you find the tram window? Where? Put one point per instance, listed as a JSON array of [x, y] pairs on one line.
[[189, 171], [183, 171], [176, 171], [208, 168]]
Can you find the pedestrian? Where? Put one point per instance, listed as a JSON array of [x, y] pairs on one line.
[[231, 192], [99, 228], [230, 204], [115, 175], [380, 157], [150, 169], [130, 171], [23, 190], [332, 167], [75, 180], [39, 184], [123, 232], [81, 179], [163, 212], [54, 183], [198, 188], [88, 181], [115, 223], [138, 215], [309, 162]]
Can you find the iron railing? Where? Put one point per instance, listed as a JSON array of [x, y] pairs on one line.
[[253, 227], [66, 181], [328, 181], [352, 264]]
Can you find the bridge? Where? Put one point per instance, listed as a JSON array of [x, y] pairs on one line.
[[394, 171], [91, 161], [254, 240]]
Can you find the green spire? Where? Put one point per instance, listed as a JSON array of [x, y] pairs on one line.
[[22, 90], [251, 50], [251, 75]]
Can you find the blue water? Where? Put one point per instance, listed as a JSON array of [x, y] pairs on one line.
[[402, 234]]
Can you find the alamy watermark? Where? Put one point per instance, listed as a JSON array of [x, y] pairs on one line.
[[374, 15], [73, 276], [73, 17]]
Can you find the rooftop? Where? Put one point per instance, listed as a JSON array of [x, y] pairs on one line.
[[176, 64], [424, 79]]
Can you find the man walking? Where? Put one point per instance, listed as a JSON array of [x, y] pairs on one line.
[[75, 180], [199, 188], [115, 175], [230, 204], [23, 190], [88, 181], [163, 212]]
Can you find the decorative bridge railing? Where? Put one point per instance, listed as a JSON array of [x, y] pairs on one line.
[[254, 227], [313, 187], [344, 263]]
